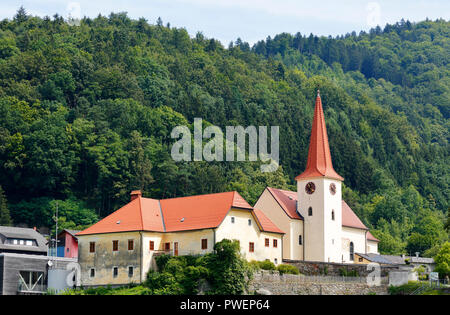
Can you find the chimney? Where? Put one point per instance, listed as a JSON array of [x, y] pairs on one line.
[[135, 194]]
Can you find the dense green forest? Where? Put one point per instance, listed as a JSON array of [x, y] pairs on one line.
[[86, 113]]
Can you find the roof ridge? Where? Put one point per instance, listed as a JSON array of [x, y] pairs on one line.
[[191, 196]]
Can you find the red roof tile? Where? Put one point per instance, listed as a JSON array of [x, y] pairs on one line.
[[287, 200], [170, 215], [130, 218], [319, 157], [266, 224], [199, 212], [350, 219], [370, 237]]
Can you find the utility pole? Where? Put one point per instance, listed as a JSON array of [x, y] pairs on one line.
[[55, 218]]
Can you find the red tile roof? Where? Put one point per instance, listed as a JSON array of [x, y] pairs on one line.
[[319, 157], [170, 215], [350, 219], [265, 223], [370, 237], [199, 212], [138, 215], [288, 202]]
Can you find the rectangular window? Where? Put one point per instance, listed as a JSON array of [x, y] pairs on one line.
[[360, 259], [275, 243], [267, 241], [92, 247], [115, 246], [130, 244], [115, 272], [204, 243], [249, 221], [92, 273], [31, 281], [130, 271], [299, 240], [251, 247], [152, 245], [232, 219], [167, 246]]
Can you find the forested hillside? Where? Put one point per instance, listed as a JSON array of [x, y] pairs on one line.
[[86, 114]]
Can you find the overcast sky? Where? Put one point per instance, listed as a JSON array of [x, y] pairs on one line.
[[250, 20]]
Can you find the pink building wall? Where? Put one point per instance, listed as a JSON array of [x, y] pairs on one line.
[[71, 248]]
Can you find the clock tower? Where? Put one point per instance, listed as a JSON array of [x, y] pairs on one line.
[[319, 197]]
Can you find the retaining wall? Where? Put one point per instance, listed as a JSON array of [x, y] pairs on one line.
[[287, 284]]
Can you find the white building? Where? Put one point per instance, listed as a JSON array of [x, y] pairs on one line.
[[319, 225]]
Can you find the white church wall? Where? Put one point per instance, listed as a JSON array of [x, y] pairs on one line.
[[357, 236], [372, 247]]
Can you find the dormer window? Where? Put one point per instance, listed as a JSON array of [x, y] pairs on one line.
[[23, 242]]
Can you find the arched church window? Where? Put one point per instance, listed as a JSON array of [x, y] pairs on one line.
[[352, 251], [310, 211]]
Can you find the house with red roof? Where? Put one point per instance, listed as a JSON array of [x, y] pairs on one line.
[[121, 248], [319, 225]]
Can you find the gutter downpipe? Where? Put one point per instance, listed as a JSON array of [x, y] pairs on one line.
[[304, 243], [142, 254]]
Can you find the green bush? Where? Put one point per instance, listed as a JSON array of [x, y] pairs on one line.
[[161, 261], [285, 268], [405, 289], [267, 265], [253, 265], [348, 273], [229, 272], [225, 270]]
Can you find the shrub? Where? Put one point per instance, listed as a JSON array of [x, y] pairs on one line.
[[225, 270], [228, 270], [285, 268], [267, 265], [348, 273], [253, 265], [405, 289], [161, 261]]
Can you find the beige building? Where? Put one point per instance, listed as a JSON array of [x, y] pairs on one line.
[[121, 248], [319, 225]]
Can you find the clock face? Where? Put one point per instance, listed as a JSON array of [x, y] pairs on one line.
[[332, 188], [310, 188]]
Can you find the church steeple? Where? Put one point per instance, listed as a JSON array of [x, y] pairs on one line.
[[319, 157]]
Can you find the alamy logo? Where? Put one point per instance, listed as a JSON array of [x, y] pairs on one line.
[[213, 150]]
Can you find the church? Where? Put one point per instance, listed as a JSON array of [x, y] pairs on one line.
[[319, 225], [311, 224]]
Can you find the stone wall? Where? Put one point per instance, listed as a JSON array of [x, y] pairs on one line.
[[271, 282], [334, 269]]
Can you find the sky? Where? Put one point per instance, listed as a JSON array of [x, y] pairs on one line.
[[251, 20]]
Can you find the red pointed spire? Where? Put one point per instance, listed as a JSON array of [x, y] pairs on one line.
[[319, 157]]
